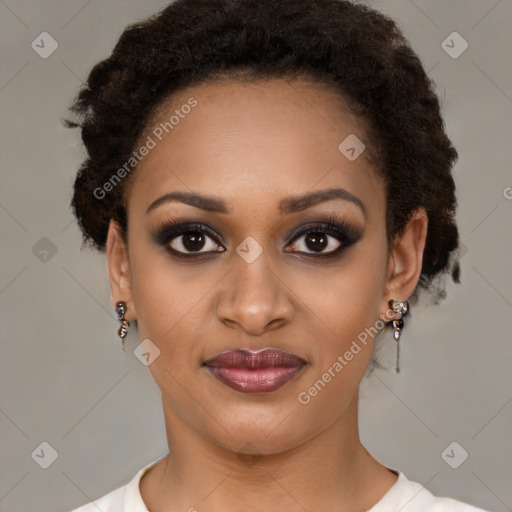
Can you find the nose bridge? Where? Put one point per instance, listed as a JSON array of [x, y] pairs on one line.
[[253, 296]]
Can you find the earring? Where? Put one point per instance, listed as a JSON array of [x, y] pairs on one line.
[[123, 328], [401, 308]]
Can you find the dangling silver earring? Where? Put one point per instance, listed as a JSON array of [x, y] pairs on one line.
[[123, 328], [401, 308]]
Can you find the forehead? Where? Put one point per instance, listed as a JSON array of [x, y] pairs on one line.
[[246, 140]]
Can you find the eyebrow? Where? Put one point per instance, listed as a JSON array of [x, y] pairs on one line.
[[290, 204]]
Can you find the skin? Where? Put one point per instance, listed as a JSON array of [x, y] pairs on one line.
[[251, 145]]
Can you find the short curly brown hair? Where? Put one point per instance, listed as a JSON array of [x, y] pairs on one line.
[[349, 46]]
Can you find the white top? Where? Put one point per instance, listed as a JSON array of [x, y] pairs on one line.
[[405, 496]]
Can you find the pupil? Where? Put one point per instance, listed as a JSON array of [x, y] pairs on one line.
[[193, 241], [316, 241]]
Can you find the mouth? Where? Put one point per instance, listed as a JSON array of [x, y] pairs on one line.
[[255, 372]]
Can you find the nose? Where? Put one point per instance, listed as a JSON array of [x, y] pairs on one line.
[[254, 298]]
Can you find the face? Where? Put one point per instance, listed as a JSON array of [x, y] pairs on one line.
[[277, 240]]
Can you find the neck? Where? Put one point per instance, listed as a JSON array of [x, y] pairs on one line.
[[332, 469]]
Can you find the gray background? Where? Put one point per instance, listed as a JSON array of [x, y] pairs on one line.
[[63, 377]]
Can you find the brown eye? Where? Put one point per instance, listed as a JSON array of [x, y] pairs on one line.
[[316, 242], [188, 238], [193, 241], [324, 239]]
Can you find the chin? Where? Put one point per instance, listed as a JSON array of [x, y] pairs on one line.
[[259, 430]]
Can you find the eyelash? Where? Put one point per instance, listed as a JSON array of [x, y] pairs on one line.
[[170, 229]]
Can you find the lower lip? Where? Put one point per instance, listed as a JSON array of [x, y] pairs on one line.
[[259, 380]]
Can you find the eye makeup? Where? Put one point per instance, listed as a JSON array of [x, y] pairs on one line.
[[170, 229], [343, 231]]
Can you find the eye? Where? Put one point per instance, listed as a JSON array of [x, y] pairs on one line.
[[324, 239], [315, 243], [193, 241], [188, 238]]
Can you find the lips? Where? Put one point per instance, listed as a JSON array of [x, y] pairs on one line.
[[255, 372], [263, 359]]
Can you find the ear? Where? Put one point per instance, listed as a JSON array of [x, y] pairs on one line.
[[405, 260], [119, 273]]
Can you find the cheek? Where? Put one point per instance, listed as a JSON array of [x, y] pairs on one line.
[[348, 325], [161, 297], [172, 304], [346, 306], [347, 299], [339, 300], [334, 303]]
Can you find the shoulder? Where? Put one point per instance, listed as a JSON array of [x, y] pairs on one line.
[[111, 502], [409, 496], [123, 499]]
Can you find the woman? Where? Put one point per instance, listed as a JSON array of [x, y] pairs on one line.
[[271, 183]]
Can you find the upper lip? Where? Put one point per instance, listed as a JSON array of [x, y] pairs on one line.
[[265, 358]]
